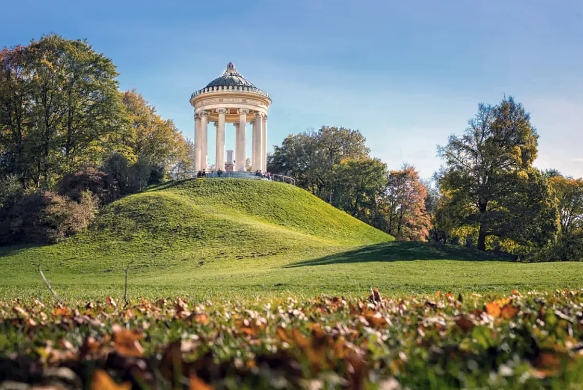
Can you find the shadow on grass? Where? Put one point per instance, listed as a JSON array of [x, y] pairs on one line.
[[15, 249], [401, 251], [166, 185]]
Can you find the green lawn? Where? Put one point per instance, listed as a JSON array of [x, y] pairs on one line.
[[212, 237]]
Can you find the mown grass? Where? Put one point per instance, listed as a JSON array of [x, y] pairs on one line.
[[208, 238]]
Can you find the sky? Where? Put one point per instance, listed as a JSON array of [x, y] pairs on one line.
[[406, 74]]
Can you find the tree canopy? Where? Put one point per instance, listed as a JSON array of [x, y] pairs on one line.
[[490, 182]]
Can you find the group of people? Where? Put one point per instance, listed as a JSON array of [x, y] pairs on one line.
[[263, 175]]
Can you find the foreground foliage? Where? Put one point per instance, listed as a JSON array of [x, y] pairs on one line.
[[526, 341]]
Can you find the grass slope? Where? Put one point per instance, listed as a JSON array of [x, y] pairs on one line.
[[210, 237]]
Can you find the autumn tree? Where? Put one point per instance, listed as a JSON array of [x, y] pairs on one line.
[[489, 180], [150, 137], [405, 196]]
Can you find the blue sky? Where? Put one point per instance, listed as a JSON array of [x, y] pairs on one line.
[[405, 73]]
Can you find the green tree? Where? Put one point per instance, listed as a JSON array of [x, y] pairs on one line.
[[59, 106], [569, 193], [310, 157], [152, 138], [489, 180], [358, 187]]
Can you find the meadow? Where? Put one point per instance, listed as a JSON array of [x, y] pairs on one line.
[[240, 284]]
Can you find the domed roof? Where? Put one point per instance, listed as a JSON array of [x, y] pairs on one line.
[[230, 77], [230, 81]]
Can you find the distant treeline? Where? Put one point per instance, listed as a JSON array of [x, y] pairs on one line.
[[487, 195]]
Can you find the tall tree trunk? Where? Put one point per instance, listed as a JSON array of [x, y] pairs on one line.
[[482, 238]]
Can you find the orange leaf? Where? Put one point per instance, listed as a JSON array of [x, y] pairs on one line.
[[493, 309], [509, 311], [198, 384], [102, 381]]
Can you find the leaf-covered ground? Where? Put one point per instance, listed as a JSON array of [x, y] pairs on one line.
[[528, 340]]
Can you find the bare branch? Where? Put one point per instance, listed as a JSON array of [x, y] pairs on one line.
[[125, 291], [49, 285]]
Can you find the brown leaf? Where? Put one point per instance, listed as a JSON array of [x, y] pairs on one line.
[[127, 342], [509, 311], [465, 323], [102, 381], [111, 302], [375, 296]]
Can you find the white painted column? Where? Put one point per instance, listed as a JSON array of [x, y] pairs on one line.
[[197, 143], [203, 115], [264, 144], [256, 156], [241, 146], [220, 161]]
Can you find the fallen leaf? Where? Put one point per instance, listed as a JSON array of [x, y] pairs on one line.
[[493, 309], [102, 381], [509, 311], [465, 323], [198, 384], [127, 342]]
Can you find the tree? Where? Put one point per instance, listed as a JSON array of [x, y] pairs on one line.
[[405, 197], [569, 193], [489, 180], [59, 106], [152, 138], [358, 187], [310, 157]]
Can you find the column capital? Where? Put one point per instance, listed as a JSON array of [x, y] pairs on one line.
[[243, 111], [221, 110], [259, 114], [203, 113]]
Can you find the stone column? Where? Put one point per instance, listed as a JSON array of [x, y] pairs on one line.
[[241, 145], [220, 161], [236, 125], [203, 115], [264, 144], [197, 143], [257, 131]]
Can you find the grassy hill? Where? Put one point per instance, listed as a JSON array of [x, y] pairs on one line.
[[218, 236]]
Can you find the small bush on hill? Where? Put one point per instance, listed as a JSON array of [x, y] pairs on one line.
[[46, 217], [131, 178], [99, 183]]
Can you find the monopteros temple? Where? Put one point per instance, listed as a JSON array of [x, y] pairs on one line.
[[231, 99]]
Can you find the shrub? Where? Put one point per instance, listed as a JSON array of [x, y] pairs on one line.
[[46, 218], [99, 183]]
